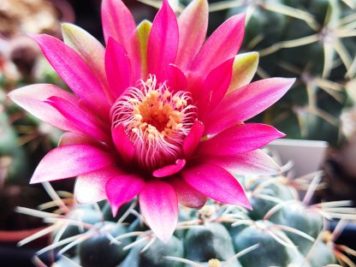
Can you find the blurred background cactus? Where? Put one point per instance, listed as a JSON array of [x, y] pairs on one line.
[[314, 41], [24, 139]]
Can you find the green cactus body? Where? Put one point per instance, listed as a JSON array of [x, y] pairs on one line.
[[213, 242], [184, 215], [208, 241], [299, 217], [269, 252], [99, 250], [137, 225], [155, 255], [260, 206], [321, 254], [260, 20], [108, 216], [297, 258], [82, 214], [239, 214], [9, 147]]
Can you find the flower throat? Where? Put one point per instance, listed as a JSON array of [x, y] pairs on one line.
[[156, 121]]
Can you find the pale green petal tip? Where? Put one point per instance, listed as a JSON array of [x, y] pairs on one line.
[[66, 26], [71, 29], [250, 59], [244, 68]]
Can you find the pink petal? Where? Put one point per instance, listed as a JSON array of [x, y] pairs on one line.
[[176, 80], [193, 24], [187, 195], [193, 139], [32, 99], [122, 143], [81, 120], [240, 139], [73, 70], [162, 42], [253, 162], [117, 21], [169, 169], [223, 44], [215, 87], [89, 48], [70, 138], [159, 207], [69, 161], [119, 24], [215, 182], [90, 187], [122, 187], [118, 68], [247, 102]]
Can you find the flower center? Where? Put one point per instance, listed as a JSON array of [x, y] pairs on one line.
[[156, 121]]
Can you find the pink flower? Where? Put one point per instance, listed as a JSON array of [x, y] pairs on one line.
[[159, 113]]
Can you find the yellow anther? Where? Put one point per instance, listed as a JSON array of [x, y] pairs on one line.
[[178, 125], [151, 137], [166, 94], [135, 130], [138, 117], [179, 102]]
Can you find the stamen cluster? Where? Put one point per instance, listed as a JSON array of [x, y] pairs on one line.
[[156, 120]]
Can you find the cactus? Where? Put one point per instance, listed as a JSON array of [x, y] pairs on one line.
[[13, 159], [98, 250], [21, 135], [288, 231], [311, 40], [23, 139]]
